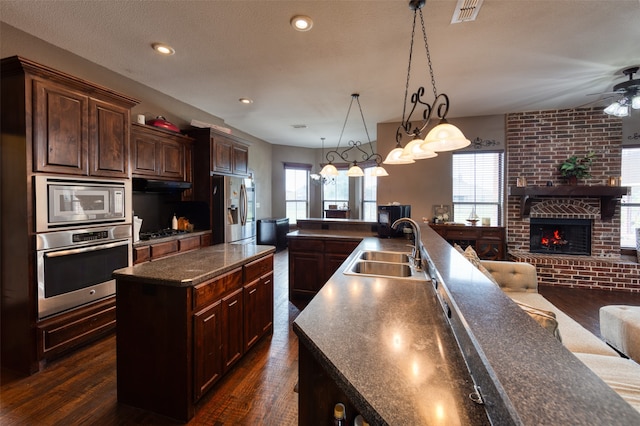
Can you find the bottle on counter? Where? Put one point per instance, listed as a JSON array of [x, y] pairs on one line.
[[174, 222], [339, 415], [359, 421]]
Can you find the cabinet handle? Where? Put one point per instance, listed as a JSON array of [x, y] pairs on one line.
[[253, 291], [233, 303]]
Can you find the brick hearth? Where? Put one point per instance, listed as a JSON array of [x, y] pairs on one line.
[[537, 142]]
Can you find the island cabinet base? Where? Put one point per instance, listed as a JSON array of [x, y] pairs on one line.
[[175, 342]]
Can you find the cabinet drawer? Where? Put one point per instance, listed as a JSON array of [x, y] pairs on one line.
[[163, 249], [189, 243], [492, 234], [213, 290], [464, 234], [340, 247], [141, 254], [258, 268], [306, 244]]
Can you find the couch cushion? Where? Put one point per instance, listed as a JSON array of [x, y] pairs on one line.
[[621, 374], [620, 327], [513, 276], [575, 337]]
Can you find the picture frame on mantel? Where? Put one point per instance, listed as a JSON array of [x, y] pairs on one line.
[[441, 210]]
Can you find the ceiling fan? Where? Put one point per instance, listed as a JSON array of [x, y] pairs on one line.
[[629, 95]]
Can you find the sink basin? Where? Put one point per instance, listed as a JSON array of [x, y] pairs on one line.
[[382, 268], [384, 264], [385, 256]]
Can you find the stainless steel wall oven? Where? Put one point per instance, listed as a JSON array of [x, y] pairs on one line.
[[74, 267]]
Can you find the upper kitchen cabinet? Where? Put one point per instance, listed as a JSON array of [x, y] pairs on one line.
[[221, 153], [75, 127], [159, 153]]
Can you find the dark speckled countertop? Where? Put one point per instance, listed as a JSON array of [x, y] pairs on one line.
[[194, 267], [389, 346]]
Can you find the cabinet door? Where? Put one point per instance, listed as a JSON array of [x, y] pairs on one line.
[[306, 273], [207, 348], [232, 328], [172, 160], [60, 129], [252, 326], [222, 154], [240, 160], [145, 155], [108, 139]]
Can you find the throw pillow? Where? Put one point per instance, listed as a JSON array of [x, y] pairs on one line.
[[546, 319], [471, 255], [458, 248]]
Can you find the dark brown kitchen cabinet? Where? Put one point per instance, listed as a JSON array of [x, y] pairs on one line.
[[74, 133], [55, 123], [159, 153], [488, 241], [218, 153], [229, 156], [232, 327], [258, 300], [312, 261], [144, 252], [207, 348]]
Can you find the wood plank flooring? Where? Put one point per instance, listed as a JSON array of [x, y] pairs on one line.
[[80, 389]]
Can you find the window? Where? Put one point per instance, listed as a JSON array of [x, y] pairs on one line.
[[297, 191], [477, 182], [630, 206], [369, 195], [336, 191]]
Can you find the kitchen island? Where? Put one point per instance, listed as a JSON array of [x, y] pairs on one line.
[[184, 321], [419, 352]]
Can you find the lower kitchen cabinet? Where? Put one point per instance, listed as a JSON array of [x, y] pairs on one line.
[[312, 261], [157, 250], [174, 343]]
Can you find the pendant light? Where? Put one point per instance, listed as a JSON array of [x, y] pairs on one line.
[[355, 170], [445, 136]]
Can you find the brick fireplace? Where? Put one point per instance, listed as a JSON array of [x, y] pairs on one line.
[[537, 142]]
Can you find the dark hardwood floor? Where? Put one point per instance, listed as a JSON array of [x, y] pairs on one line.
[[81, 387]]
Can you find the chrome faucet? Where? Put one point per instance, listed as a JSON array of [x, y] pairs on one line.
[[417, 240]]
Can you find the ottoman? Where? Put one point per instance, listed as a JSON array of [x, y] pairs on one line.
[[620, 327]]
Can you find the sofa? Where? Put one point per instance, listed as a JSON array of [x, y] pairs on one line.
[[519, 281]]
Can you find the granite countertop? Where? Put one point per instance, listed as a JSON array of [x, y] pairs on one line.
[[401, 361], [194, 267], [142, 243], [330, 234]]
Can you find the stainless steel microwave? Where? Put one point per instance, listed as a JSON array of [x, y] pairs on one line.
[[65, 202]]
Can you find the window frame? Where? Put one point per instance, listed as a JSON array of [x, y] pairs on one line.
[[626, 205], [298, 167]]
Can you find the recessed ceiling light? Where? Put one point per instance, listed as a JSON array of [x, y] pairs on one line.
[[245, 101], [301, 23], [163, 49]]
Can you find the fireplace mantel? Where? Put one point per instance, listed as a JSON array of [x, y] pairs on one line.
[[609, 195]]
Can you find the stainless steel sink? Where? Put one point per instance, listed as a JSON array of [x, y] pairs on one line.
[[384, 264], [382, 268], [385, 256]]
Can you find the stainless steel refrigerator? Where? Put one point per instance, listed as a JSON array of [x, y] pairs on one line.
[[233, 217]]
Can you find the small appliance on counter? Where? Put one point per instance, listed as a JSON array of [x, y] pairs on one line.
[[389, 213]]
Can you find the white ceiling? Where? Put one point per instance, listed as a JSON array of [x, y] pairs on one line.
[[517, 56]]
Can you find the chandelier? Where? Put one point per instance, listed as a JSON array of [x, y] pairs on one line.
[[356, 147], [443, 137], [630, 95]]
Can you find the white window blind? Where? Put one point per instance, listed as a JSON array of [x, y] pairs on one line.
[[336, 191], [297, 192], [369, 195], [478, 182], [630, 206]]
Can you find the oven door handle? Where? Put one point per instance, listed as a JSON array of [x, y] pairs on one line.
[[58, 253]]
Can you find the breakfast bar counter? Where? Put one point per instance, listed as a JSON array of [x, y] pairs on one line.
[[453, 349]]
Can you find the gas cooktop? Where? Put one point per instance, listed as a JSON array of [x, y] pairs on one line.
[[162, 233]]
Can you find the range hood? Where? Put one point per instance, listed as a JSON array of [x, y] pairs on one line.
[[154, 185]]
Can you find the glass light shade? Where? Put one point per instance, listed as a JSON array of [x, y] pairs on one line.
[[445, 137], [379, 172], [329, 170], [611, 109], [617, 109], [635, 102], [394, 157], [355, 171], [415, 150]]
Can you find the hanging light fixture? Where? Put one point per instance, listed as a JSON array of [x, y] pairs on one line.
[[443, 137], [630, 91], [355, 170]]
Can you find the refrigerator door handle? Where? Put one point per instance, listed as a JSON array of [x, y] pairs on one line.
[[243, 205]]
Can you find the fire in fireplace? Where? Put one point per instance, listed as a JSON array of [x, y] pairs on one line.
[[560, 236]]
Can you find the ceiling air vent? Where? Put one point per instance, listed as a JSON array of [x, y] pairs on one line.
[[466, 10]]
